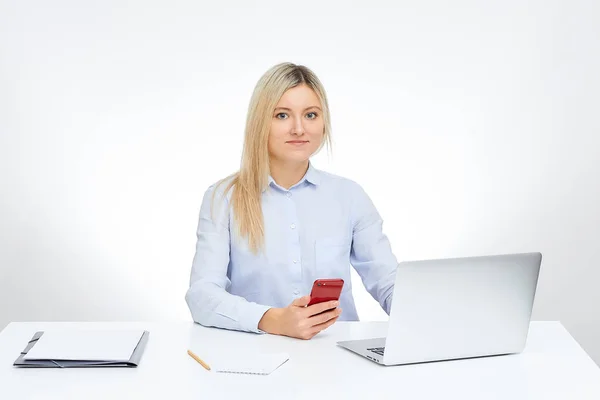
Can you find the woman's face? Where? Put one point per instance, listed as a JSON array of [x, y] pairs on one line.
[[297, 126]]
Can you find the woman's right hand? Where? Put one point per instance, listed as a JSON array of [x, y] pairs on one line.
[[299, 321]]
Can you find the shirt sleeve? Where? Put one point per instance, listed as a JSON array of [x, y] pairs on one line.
[[371, 254], [208, 298]]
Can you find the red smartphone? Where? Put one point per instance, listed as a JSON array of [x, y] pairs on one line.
[[326, 290]]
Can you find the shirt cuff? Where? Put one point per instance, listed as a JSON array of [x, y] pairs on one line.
[[251, 316], [388, 303]]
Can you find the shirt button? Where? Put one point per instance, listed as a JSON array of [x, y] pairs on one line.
[[296, 292], [293, 226], [289, 194], [295, 261]]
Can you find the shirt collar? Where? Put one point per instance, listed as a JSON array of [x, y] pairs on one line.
[[312, 176]]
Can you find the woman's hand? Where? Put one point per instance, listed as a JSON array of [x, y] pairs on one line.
[[299, 321]]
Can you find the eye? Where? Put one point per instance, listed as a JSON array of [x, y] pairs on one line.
[[312, 115], [281, 116]]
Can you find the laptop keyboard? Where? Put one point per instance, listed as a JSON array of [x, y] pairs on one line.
[[377, 350]]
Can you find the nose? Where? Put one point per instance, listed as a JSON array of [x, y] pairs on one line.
[[298, 128]]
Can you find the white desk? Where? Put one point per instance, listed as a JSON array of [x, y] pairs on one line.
[[553, 366]]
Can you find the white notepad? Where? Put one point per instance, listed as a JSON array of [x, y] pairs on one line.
[[258, 364], [89, 345]]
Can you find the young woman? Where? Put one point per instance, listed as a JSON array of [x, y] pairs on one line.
[[268, 231]]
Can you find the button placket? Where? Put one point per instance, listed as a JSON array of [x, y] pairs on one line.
[[294, 246]]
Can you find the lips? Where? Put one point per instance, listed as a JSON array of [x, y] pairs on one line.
[[297, 141]]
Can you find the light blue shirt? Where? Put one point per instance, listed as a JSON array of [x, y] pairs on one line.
[[317, 229]]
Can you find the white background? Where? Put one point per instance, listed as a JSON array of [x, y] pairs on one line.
[[473, 125]]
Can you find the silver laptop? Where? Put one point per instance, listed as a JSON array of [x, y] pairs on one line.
[[456, 308]]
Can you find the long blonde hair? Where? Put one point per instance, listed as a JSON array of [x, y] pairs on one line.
[[252, 179]]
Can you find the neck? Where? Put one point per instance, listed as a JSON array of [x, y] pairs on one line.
[[287, 175]]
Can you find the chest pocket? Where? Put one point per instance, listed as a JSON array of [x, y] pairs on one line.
[[332, 259]]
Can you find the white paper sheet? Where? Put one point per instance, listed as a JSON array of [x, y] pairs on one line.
[[261, 364], [91, 345]]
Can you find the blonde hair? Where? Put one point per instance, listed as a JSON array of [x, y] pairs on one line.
[[252, 179]]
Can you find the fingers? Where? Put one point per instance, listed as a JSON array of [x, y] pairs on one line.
[[301, 301], [320, 307], [309, 327], [305, 322], [324, 317], [325, 325], [318, 328]]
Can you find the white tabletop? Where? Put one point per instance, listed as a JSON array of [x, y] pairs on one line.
[[553, 366]]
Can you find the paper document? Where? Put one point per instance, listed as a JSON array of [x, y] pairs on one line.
[[88, 345], [261, 364]]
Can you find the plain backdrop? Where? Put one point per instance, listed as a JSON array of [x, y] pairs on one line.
[[473, 126]]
